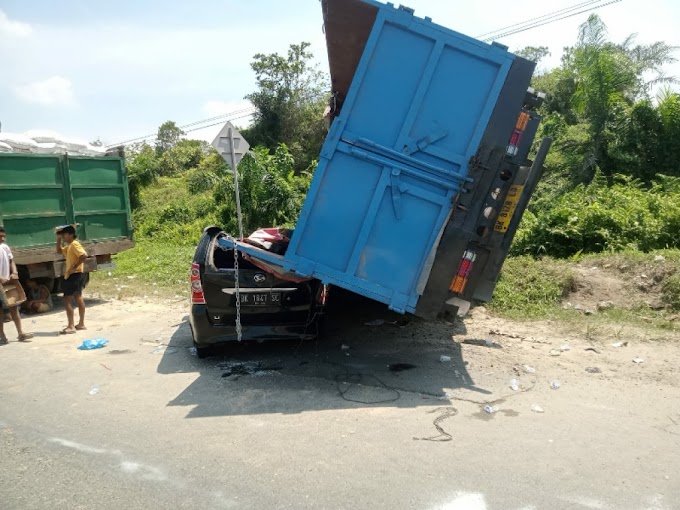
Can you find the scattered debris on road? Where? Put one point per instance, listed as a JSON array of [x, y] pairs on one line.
[[555, 385], [620, 344], [593, 370], [490, 409], [592, 349], [380, 322], [444, 359], [94, 390], [239, 368], [514, 385], [483, 343], [529, 370], [537, 409], [638, 360], [446, 413], [96, 343]]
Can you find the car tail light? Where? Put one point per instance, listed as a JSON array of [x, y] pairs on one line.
[[197, 296]]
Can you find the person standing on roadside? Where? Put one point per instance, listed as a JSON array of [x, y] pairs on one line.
[[8, 271], [74, 280]]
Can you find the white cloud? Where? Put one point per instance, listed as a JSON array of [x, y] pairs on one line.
[[214, 108], [54, 91], [11, 28]]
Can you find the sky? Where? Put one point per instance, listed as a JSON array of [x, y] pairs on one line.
[[116, 71]]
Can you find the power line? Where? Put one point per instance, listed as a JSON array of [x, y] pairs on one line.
[[538, 18], [547, 22], [224, 117], [516, 28], [219, 123], [245, 112]]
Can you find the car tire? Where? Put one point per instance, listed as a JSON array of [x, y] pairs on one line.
[[202, 352]]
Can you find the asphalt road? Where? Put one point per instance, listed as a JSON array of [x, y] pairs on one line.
[[138, 426]]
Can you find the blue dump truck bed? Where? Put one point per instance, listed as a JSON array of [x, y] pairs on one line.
[[425, 172]]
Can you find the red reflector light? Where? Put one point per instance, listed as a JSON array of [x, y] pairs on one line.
[[197, 296]]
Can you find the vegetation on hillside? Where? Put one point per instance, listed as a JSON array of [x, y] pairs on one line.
[[612, 178]]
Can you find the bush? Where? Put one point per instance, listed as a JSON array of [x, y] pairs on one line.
[[599, 218], [201, 180]]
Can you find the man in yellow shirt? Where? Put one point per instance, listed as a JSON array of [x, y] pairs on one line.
[[74, 281]]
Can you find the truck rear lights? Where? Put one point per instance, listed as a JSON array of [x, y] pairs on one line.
[[518, 133], [460, 281]]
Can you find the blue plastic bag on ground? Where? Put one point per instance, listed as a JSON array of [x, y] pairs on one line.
[[96, 343]]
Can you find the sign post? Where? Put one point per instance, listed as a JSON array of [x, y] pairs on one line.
[[232, 147]]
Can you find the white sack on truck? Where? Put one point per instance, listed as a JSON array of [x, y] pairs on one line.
[[18, 141]]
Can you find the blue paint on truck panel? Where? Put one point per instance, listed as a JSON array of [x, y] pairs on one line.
[[396, 157]]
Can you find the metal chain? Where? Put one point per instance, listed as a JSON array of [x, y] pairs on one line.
[[237, 286], [239, 330]]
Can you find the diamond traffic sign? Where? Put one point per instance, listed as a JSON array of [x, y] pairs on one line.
[[231, 145]]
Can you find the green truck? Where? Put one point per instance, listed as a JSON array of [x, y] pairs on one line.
[[39, 192]]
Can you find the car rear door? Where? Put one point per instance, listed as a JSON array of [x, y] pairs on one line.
[[265, 299]]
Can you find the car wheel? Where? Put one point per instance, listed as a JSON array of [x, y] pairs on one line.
[[202, 352]]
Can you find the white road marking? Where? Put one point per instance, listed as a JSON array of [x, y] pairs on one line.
[[146, 472], [77, 446], [471, 501]]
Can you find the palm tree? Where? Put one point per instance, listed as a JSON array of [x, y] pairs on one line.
[[609, 79]]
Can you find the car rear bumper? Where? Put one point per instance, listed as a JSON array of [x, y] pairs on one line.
[[207, 333]]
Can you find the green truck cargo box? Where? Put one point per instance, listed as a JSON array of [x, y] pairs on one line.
[[39, 192]]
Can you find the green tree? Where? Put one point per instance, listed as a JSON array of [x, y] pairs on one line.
[[182, 157], [592, 101], [290, 101], [271, 191], [168, 136], [669, 112], [142, 168], [534, 53]]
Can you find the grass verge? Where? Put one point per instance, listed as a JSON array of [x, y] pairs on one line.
[[532, 289], [150, 270]]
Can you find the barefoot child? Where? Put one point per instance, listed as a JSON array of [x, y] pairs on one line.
[[73, 283]]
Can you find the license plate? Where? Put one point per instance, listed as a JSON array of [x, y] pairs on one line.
[[261, 299], [508, 209]]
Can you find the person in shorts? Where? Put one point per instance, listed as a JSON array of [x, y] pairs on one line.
[[39, 298], [8, 272], [73, 283]]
